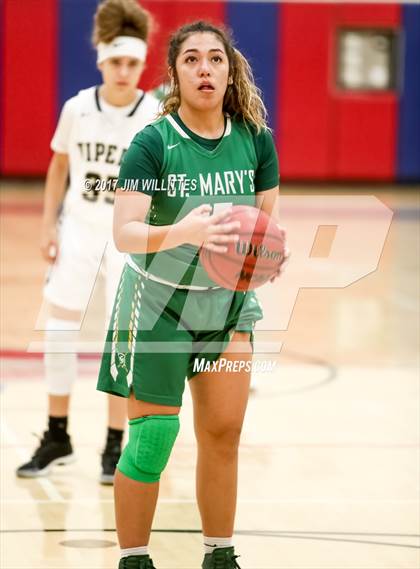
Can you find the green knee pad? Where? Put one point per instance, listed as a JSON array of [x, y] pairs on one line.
[[149, 447]]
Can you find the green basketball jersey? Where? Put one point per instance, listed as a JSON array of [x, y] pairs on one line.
[[191, 174]]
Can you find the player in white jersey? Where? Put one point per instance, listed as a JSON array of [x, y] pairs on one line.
[[95, 128]]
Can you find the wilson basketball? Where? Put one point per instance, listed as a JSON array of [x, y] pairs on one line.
[[254, 259]]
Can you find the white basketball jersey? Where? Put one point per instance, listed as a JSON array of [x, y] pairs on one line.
[[95, 136]]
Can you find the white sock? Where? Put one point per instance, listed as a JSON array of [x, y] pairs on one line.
[[212, 543], [134, 551]]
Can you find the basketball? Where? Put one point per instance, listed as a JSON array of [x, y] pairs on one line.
[[254, 259]]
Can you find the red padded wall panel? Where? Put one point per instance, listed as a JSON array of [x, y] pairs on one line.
[[365, 136], [304, 122], [29, 108], [365, 143], [368, 14]]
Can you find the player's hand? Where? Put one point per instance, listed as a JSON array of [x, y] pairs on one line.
[[212, 231], [283, 265], [49, 243]]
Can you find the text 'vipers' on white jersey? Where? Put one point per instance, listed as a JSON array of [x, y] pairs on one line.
[[95, 136]]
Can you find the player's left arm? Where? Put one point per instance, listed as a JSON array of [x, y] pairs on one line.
[[267, 201], [266, 178], [266, 182]]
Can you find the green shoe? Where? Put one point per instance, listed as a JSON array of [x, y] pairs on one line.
[[221, 558], [136, 562]]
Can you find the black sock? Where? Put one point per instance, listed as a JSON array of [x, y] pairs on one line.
[[114, 436], [57, 426]]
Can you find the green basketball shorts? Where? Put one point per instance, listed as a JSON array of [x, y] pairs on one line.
[[157, 332]]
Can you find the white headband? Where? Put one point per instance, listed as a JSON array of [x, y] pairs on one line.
[[122, 46]]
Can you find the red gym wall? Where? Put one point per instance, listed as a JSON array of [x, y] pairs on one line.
[[322, 132], [325, 133]]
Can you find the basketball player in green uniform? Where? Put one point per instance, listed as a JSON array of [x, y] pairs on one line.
[[210, 146]]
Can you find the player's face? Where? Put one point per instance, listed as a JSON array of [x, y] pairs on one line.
[[121, 74], [202, 69]]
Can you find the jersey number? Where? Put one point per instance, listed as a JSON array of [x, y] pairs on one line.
[[95, 186]]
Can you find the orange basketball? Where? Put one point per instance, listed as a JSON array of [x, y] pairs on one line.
[[254, 259]]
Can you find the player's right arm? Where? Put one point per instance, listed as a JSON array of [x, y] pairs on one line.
[[55, 188], [56, 182], [142, 162], [199, 227]]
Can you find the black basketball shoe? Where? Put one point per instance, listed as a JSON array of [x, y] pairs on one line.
[[49, 453]]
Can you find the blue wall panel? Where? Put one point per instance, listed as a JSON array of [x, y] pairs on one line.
[[77, 58], [255, 28], [408, 167]]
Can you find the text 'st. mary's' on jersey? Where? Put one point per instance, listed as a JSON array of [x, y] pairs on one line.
[[183, 175], [95, 136]]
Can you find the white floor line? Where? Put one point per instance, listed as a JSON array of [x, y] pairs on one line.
[[266, 501], [48, 487], [87, 347]]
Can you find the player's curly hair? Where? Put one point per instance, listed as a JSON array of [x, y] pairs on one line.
[[242, 98], [120, 18]]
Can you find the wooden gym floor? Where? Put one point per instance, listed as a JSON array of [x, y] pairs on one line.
[[329, 461]]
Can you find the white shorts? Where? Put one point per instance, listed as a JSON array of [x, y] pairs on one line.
[[85, 252]]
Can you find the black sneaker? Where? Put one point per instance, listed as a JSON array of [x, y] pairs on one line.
[[110, 458], [49, 453], [221, 558], [136, 562]]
